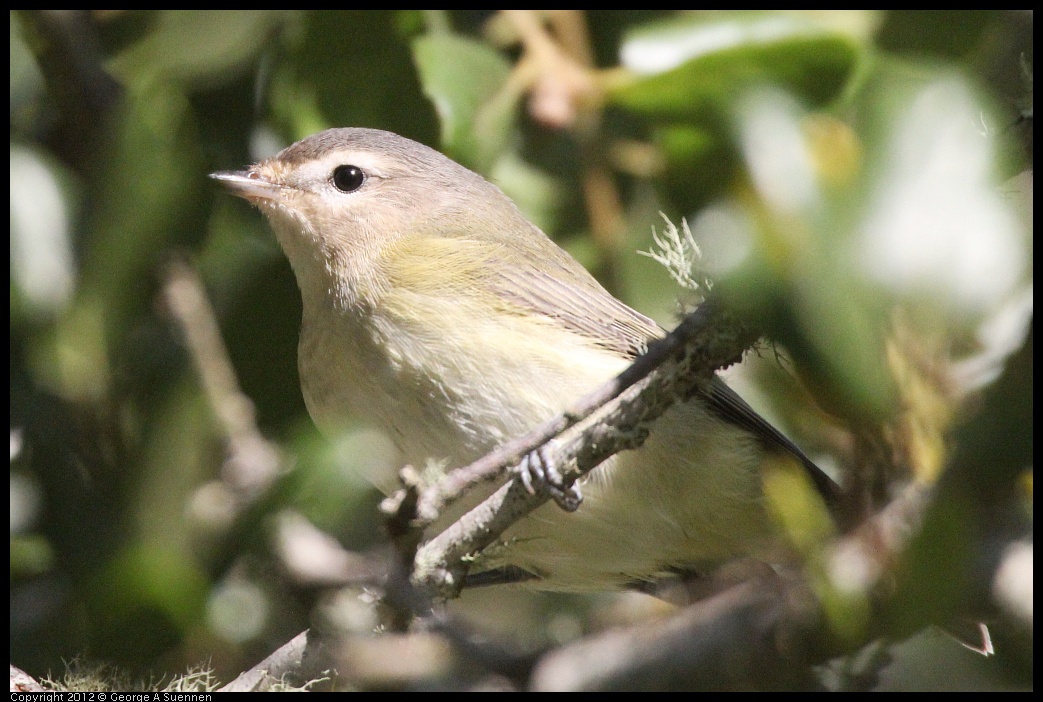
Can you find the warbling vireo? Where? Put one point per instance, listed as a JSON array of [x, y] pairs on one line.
[[435, 310]]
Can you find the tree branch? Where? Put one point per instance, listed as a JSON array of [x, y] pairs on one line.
[[672, 370]]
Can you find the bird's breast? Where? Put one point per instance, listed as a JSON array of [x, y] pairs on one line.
[[443, 387]]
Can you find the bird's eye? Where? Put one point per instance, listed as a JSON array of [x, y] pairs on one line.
[[348, 179]]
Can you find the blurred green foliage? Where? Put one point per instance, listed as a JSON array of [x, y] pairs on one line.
[[835, 166]]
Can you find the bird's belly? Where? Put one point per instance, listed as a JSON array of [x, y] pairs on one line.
[[690, 495]]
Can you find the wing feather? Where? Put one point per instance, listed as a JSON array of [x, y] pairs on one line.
[[560, 289]]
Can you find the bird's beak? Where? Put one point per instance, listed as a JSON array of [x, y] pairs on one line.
[[248, 185]]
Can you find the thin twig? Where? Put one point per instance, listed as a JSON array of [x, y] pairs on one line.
[[729, 641], [287, 660], [254, 462]]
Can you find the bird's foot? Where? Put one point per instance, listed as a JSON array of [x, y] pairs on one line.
[[538, 471]]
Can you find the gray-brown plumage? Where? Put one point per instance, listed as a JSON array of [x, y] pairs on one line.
[[434, 310]]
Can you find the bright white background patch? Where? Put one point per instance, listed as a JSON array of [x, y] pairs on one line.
[[937, 224]]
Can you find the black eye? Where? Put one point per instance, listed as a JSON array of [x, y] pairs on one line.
[[348, 179]]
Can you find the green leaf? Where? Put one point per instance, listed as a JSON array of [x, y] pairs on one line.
[[466, 81], [198, 44], [701, 163], [693, 69]]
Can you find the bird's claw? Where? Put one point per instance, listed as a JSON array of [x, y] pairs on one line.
[[537, 471]]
